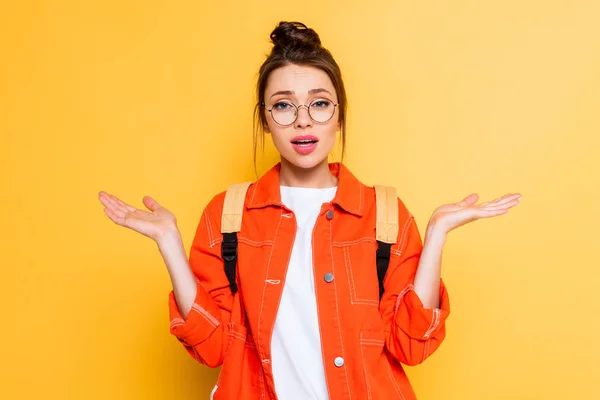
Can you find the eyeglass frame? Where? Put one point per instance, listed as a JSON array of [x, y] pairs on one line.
[[298, 111]]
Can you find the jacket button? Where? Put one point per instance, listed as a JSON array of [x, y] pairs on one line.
[[339, 361], [328, 277], [330, 214]]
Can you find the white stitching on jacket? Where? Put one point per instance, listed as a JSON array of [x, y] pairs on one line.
[[362, 353], [435, 321], [262, 300], [198, 308], [408, 287], [353, 296], [337, 308], [404, 234]]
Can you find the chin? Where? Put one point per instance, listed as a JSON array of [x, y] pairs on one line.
[[308, 161]]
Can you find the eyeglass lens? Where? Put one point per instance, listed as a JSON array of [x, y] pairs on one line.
[[285, 113]]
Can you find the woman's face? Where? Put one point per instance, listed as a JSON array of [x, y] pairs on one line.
[[305, 143]]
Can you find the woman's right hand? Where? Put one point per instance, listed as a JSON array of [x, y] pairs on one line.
[[155, 224]]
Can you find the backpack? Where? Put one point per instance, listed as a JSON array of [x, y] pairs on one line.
[[386, 228]]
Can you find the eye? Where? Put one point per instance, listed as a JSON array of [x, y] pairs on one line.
[[321, 103], [282, 106]]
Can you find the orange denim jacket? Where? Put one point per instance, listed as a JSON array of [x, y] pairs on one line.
[[364, 339]]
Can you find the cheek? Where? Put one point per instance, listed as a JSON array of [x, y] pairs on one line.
[[331, 141], [331, 134], [278, 136]]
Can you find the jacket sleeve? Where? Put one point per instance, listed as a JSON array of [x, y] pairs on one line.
[[413, 332], [203, 332]]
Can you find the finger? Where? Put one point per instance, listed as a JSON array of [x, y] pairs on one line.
[[114, 202], [114, 217], [509, 199], [105, 200], [122, 203], [495, 201], [119, 206], [150, 203], [115, 206], [509, 204], [117, 209], [470, 199], [490, 213], [110, 200], [503, 199]]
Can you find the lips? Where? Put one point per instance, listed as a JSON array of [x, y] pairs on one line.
[[304, 144], [304, 139]]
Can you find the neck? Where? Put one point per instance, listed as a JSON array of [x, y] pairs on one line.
[[318, 176]]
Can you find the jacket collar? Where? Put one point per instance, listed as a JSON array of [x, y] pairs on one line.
[[266, 191]]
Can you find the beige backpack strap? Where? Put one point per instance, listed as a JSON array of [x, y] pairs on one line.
[[233, 207], [386, 200]]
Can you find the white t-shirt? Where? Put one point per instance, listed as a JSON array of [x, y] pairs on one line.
[[297, 361]]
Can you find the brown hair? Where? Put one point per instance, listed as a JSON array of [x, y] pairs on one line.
[[294, 43]]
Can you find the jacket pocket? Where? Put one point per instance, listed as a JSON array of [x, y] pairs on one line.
[[381, 381], [361, 270], [241, 373], [371, 350]]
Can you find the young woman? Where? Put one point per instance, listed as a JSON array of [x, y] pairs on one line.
[[307, 320]]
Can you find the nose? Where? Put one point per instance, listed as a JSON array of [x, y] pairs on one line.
[[303, 120]]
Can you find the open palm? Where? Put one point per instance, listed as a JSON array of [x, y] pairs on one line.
[[451, 216], [154, 224]]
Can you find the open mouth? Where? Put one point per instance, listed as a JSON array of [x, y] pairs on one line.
[[304, 142]]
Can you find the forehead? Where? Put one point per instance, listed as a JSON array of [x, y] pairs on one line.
[[299, 79]]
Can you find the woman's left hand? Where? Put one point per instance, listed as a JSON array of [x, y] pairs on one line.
[[451, 216]]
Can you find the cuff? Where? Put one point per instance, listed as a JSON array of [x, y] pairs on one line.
[[417, 321], [201, 321]]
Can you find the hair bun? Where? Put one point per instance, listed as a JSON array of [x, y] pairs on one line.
[[294, 33]]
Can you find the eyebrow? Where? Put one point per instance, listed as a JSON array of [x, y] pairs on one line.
[[311, 91]]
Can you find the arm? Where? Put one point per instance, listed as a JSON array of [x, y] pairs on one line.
[[201, 300], [182, 278], [415, 303], [428, 276], [443, 220]]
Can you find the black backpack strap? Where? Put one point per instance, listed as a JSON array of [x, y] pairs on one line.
[[229, 254], [383, 261], [386, 230], [231, 223]]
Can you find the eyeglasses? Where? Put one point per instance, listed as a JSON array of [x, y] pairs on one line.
[[285, 113]]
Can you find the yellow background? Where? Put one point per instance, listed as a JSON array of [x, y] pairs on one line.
[[155, 98]]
